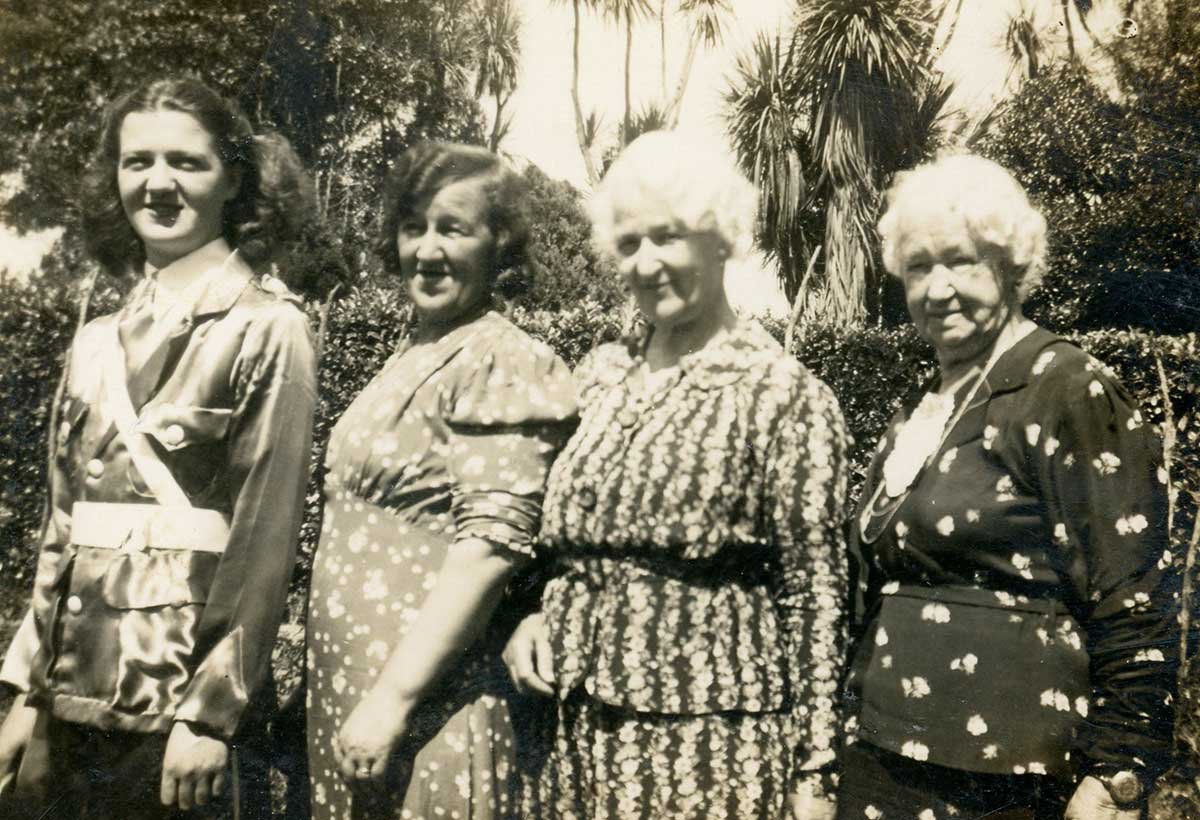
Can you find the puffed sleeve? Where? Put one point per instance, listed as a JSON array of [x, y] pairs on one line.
[[509, 416], [806, 479], [270, 436], [1100, 474]]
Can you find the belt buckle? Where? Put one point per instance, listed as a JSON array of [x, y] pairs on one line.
[[138, 537]]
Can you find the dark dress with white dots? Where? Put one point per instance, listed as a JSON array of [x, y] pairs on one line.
[[1016, 608], [451, 440]]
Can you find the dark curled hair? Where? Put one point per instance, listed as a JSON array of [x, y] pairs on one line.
[[273, 206], [427, 168]]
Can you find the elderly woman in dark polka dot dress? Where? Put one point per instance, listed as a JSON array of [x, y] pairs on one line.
[[433, 496], [1016, 613]]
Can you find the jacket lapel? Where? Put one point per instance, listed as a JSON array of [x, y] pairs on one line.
[[152, 346]]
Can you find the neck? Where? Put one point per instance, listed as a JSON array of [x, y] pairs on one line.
[[954, 371], [178, 273], [671, 343]]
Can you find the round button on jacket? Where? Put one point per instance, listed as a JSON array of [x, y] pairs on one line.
[[587, 498], [173, 434], [95, 468], [75, 605]]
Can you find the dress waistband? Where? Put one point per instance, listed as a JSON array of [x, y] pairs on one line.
[[978, 596], [153, 526]]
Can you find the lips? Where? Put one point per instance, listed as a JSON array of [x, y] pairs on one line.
[[163, 212]]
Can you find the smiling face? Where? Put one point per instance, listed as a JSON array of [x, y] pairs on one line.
[[172, 184], [446, 250], [677, 276], [956, 294]]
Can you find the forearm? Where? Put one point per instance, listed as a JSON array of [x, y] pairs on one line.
[[469, 586]]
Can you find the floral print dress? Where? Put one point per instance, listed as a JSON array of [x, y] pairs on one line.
[[451, 440], [1016, 608], [696, 616]]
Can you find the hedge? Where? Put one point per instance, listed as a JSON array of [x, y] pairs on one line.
[[872, 371]]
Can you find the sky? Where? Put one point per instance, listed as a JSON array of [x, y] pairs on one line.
[[543, 128]]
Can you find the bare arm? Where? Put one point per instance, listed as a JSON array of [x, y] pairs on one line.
[[458, 608]]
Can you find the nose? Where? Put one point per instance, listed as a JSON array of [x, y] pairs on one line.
[[159, 178], [940, 286], [428, 247], [646, 261]]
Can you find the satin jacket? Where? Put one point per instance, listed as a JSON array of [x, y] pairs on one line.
[[138, 637]]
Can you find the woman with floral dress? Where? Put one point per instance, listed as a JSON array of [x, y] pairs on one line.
[[433, 496], [692, 630], [1015, 616]]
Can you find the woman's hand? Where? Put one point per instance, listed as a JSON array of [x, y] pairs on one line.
[[365, 743], [527, 656], [804, 804], [193, 768], [14, 737], [1092, 801]]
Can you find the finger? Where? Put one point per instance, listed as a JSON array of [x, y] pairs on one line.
[[377, 767], [348, 766], [167, 790], [544, 657], [203, 790], [218, 784], [186, 793]]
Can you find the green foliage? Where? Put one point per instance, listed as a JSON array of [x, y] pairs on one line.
[[351, 83], [1117, 179], [820, 117], [570, 271]]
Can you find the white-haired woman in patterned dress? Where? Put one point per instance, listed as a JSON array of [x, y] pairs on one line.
[[1016, 619], [692, 629]]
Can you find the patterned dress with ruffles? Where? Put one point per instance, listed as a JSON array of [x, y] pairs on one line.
[[451, 440], [695, 616]]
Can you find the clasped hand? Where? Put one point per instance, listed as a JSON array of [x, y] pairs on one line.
[[528, 657], [193, 768], [365, 743]]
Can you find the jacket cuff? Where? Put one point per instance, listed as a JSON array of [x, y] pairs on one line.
[[216, 698]]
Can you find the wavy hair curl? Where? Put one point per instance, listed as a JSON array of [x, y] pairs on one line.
[[271, 208]]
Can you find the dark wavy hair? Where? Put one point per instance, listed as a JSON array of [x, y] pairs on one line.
[[427, 168], [272, 207]]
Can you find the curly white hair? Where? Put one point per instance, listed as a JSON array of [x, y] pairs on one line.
[[693, 181], [994, 208]]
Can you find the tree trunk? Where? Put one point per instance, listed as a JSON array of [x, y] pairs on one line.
[[674, 111], [1066, 10], [628, 55], [662, 50], [589, 164], [494, 139]]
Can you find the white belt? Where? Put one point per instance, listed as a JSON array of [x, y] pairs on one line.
[[141, 526]]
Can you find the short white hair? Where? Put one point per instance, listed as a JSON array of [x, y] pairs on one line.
[[696, 182], [994, 208]]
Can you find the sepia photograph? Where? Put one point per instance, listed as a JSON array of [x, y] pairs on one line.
[[599, 409]]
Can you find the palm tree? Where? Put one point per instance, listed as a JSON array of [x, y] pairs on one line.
[[707, 23], [762, 125], [858, 68], [497, 59], [581, 125], [626, 12]]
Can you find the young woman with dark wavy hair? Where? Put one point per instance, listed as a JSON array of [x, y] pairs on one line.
[[177, 486]]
